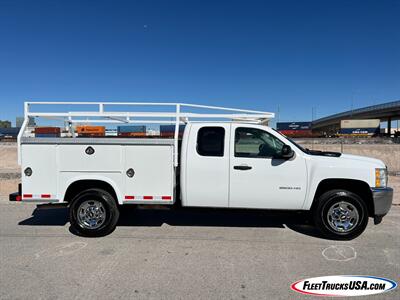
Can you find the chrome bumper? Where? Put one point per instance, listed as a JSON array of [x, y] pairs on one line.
[[382, 199]]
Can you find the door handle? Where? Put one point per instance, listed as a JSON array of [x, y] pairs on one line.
[[242, 167]]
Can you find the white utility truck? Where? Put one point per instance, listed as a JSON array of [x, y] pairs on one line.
[[227, 158]]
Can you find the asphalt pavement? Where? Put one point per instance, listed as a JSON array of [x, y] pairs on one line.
[[188, 254]]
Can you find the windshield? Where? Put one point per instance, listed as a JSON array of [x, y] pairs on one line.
[[293, 142]]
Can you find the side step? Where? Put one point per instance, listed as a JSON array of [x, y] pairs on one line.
[[46, 206]]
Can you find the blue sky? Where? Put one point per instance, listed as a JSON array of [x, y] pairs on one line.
[[245, 54]]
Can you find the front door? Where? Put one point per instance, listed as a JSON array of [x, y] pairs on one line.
[[258, 177]]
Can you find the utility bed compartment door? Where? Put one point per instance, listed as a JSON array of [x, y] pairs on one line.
[[41, 159], [105, 158], [153, 174]]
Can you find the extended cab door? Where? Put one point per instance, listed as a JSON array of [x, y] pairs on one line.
[[258, 178], [205, 165]]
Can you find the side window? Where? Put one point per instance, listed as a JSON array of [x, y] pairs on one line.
[[252, 142], [210, 141]]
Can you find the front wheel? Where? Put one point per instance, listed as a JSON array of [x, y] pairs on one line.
[[93, 212], [341, 215]]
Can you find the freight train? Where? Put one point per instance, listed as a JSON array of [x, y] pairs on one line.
[[347, 128], [9, 134], [131, 131], [295, 129], [359, 128], [168, 131]]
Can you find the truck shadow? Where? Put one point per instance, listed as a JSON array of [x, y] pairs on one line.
[[206, 217], [47, 217]]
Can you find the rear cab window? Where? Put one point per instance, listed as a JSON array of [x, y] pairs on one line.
[[210, 141]]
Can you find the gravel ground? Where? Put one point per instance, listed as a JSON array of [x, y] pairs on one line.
[[394, 182], [8, 157]]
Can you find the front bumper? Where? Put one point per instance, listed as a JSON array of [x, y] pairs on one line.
[[382, 198]]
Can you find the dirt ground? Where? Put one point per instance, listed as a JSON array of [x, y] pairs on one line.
[[8, 186], [390, 154], [8, 157], [394, 182]]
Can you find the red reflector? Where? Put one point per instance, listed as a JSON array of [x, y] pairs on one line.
[[148, 197], [46, 195], [166, 197], [18, 198], [27, 196], [129, 197]]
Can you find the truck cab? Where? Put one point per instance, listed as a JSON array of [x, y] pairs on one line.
[[241, 166]]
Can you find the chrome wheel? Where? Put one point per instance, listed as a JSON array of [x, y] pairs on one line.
[[342, 216], [91, 214]]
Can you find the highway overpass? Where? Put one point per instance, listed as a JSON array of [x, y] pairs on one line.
[[386, 112]]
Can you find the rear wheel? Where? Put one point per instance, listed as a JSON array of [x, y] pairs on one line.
[[341, 215], [93, 212]]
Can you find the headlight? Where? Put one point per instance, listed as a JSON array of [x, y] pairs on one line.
[[381, 178]]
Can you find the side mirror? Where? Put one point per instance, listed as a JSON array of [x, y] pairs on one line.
[[287, 152]]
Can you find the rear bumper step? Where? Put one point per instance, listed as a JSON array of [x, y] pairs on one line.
[[17, 195], [14, 197]]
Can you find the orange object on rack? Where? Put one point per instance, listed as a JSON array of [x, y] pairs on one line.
[[87, 130], [47, 130]]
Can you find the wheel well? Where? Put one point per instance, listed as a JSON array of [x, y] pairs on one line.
[[358, 187], [78, 186]]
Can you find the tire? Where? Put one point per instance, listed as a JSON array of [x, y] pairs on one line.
[[341, 215], [93, 213]]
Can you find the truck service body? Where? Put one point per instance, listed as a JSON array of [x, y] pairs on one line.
[[239, 163]]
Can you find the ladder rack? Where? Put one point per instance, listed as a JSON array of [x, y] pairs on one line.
[[174, 114]]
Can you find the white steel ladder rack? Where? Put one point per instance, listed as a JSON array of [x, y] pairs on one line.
[[175, 115]]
